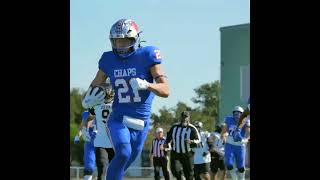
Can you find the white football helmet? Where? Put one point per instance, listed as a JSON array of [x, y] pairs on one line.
[[238, 109], [124, 29], [198, 124]]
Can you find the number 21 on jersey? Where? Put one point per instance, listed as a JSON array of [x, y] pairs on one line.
[[125, 89]]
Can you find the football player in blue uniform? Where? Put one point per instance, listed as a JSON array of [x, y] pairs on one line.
[[235, 151], [132, 70], [245, 116], [88, 135]]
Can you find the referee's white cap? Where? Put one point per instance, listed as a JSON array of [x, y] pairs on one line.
[[159, 130]]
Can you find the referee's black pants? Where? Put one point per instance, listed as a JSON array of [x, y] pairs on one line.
[[184, 159], [163, 163]]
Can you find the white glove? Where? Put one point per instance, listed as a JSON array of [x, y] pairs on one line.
[[139, 84], [91, 100], [85, 134]]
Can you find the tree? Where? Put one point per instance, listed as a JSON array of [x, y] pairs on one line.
[[180, 107], [75, 105], [76, 109], [166, 116], [208, 98]]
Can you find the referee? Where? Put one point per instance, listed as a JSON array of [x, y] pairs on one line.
[[159, 154], [183, 136]]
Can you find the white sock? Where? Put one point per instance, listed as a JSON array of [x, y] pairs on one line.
[[87, 177], [241, 176], [233, 174]]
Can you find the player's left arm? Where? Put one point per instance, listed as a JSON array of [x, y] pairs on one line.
[[247, 133], [161, 87], [243, 116]]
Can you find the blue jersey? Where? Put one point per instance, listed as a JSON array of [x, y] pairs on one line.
[[232, 125], [134, 103]]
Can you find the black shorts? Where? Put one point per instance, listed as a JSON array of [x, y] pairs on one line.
[[201, 168], [216, 164]]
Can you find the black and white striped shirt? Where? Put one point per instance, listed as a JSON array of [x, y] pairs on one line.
[[155, 149], [178, 134]]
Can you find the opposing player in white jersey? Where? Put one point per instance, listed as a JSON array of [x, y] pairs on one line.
[[217, 154], [103, 147], [202, 157]]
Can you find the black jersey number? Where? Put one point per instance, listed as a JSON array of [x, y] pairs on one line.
[[105, 113]]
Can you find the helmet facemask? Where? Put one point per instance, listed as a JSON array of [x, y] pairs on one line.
[[237, 111], [124, 47], [236, 115], [198, 125]]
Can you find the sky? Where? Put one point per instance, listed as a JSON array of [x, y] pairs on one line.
[[186, 31]]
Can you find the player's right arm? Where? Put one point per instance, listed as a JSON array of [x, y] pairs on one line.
[[92, 98]]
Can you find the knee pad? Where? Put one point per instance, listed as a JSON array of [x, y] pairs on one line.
[[241, 170], [88, 171], [229, 168]]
